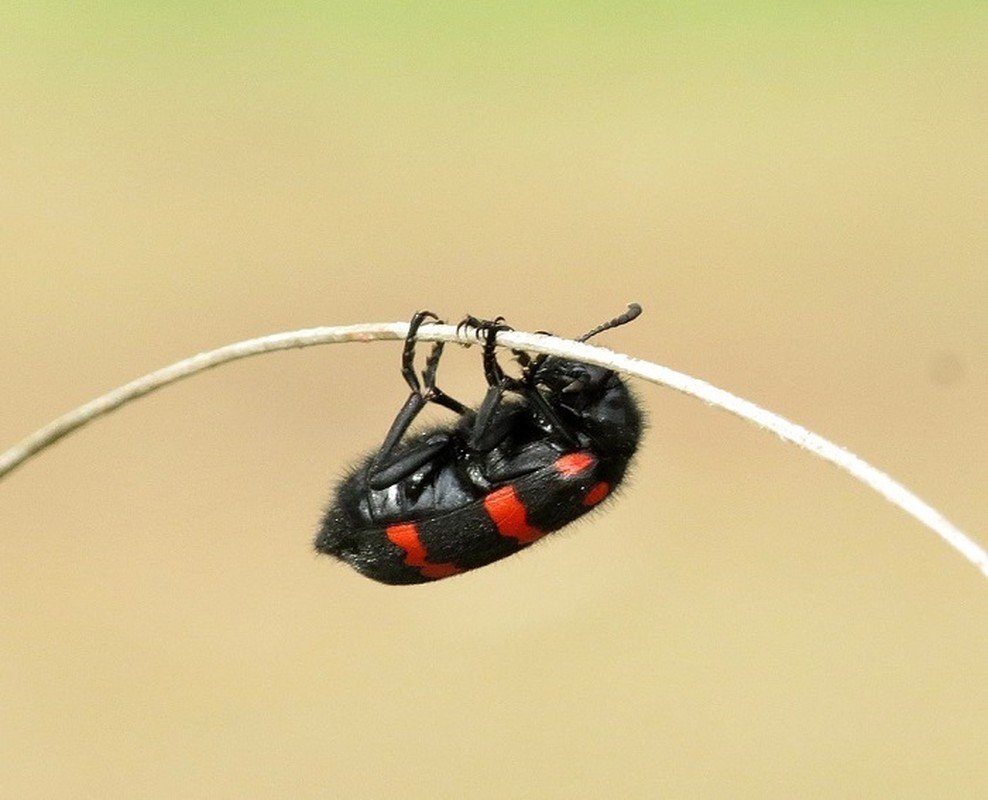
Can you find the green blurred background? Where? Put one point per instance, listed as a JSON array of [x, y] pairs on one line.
[[796, 193]]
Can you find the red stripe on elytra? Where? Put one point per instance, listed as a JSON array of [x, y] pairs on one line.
[[597, 493], [507, 512], [574, 463], [406, 536]]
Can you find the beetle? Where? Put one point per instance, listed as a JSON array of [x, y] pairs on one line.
[[540, 451]]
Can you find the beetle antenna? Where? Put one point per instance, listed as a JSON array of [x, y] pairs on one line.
[[633, 311]]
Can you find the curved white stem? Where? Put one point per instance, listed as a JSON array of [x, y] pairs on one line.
[[883, 484]]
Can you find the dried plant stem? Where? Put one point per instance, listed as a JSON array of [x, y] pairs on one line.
[[867, 474]]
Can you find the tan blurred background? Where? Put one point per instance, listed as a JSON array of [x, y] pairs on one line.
[[796, 195]]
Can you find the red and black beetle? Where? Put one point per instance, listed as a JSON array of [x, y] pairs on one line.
[[539, 452]]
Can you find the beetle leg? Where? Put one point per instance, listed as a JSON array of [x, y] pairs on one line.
[[489, 429], [384, 473], [484, 435], [408, 352], [385, 469], [433, 393], [492, 369], [487, 330]]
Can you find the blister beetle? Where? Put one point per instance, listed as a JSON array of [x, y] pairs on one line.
[[540, 451]]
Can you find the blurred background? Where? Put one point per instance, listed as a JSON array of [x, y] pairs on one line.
[[796, 193]]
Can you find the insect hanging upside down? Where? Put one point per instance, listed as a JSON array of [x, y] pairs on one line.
[[539, 452]]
